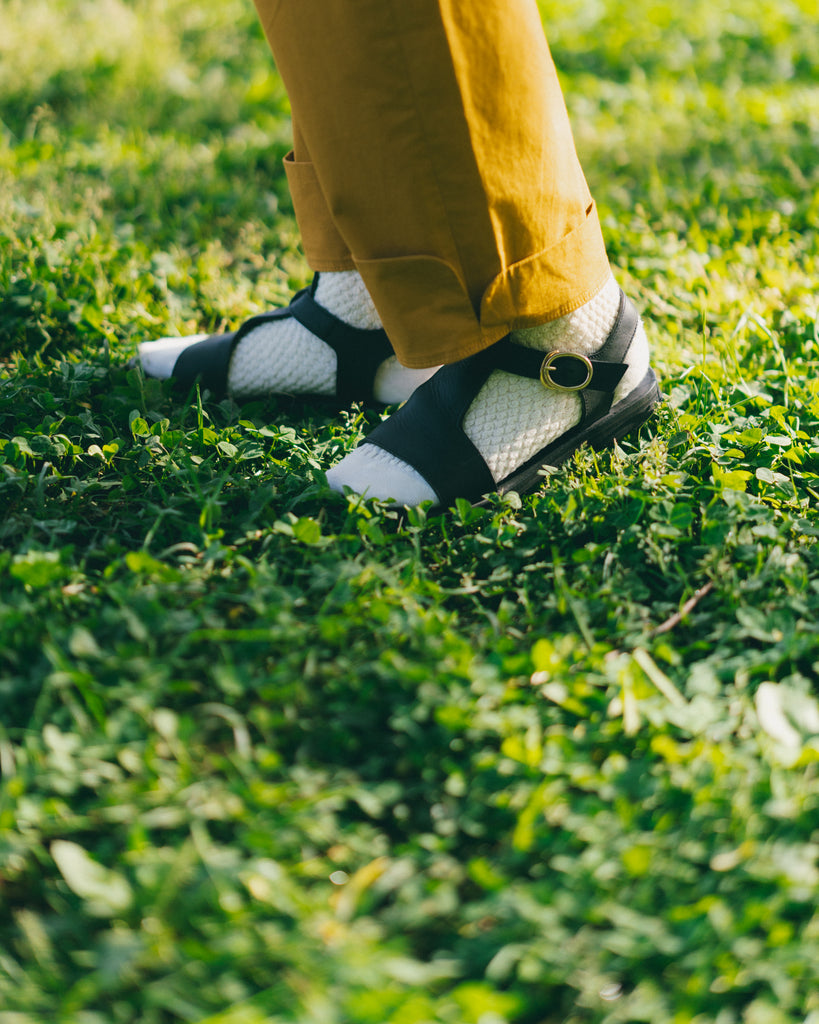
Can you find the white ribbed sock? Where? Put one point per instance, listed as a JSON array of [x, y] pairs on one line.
[[512, 417], [283, 357]]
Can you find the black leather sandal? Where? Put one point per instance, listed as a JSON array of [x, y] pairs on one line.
[[427, 433], [359, 351]]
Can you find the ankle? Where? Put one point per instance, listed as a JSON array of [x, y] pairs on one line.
[[344, 294], [583, 330]]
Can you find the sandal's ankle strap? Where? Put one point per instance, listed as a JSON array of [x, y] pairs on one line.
[[563, 370]]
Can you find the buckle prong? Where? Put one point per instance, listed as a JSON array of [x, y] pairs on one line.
[[547, 368]]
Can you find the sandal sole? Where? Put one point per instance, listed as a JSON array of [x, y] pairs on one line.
[[627, 415]]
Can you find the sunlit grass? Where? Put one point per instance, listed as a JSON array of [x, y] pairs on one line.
[[268, 755]]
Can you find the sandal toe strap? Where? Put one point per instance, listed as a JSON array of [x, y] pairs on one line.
[[426, 434], [205, 361]]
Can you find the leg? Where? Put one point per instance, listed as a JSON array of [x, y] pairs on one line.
[[441, 166], [288, 351], [441, 142]]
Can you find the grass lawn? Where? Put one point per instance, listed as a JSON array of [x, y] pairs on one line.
[[270, 756]]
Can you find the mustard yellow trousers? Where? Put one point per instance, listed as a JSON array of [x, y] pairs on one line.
[[433, 154]]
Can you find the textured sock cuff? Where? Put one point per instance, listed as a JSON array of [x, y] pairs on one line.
[[344, 294], [583, 330]]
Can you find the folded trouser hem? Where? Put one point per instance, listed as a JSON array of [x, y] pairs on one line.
[[550, 283], [430, 319]]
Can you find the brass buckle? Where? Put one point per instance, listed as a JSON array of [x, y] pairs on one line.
[[546, 367]]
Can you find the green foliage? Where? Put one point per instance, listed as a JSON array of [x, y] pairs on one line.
[[273, 756]]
